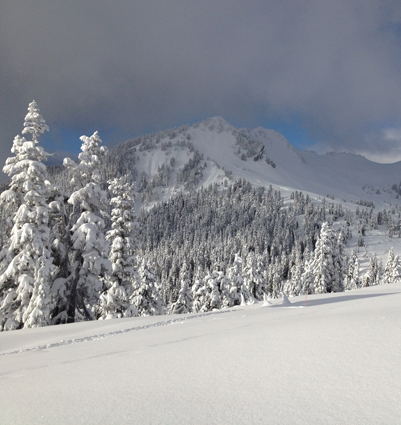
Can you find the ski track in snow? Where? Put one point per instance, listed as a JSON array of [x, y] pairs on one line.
[[114, 333]]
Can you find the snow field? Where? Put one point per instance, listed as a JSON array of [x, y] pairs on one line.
[[336, 361]]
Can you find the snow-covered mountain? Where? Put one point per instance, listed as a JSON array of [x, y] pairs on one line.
[[213, 151]]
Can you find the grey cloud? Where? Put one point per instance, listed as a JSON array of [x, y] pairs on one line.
[[133, 66]]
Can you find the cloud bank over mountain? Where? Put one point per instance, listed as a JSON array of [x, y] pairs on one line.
[[132, 67]]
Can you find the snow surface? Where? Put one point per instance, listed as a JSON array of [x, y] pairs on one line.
[[333, 359]]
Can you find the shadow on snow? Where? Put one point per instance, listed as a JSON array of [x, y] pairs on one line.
[[311, 302]]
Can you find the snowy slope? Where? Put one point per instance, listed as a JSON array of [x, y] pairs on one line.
[[335, 361], [345, 176]]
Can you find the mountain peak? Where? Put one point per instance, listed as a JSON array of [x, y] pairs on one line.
[[212, 151], [218, 123]]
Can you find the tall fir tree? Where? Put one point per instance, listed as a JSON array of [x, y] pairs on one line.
[[115, 300], [234, 274], [60, 243], [26, 261], [251, 277], [340, 262], [89, 251], [327, 266]]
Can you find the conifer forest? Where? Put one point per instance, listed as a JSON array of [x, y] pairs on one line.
[[97, 239]]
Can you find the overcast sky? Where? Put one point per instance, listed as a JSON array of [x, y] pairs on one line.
[[325, 73]]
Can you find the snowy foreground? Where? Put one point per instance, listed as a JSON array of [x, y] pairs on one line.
[[335, 361]]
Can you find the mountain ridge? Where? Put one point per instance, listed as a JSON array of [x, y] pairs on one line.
[[214, 151]]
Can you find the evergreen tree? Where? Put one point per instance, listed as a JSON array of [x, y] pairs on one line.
[[391, 272], [308, 278], [88, 259], [115, 301], [252, 279], [145, 297], [277, 280], [26, 261], [353, 272], [227, 296], [261, 283], [327, 264], [214, 299], [235, 276], [34, 122], [373, 277], [323, 267], [200, 293], [38, 312], [355, 275], [340, 262], [184, 303], [60, 242], [295, 283]]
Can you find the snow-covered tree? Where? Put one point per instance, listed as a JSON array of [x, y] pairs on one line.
[[26, 262], [115, 301], [60, 242], [34, 122], [88, 257], [227, 295], [276, 278], [90, 261], [199, 293], [238, 289], [38, 312], [340, 262], [353, 281], [374, 272], [261, 283], [327, 266], [184, 302], [214, 299], [391, 271], [295, 283], [145, 297], [252, 278], [307, 277], [323, 267]]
